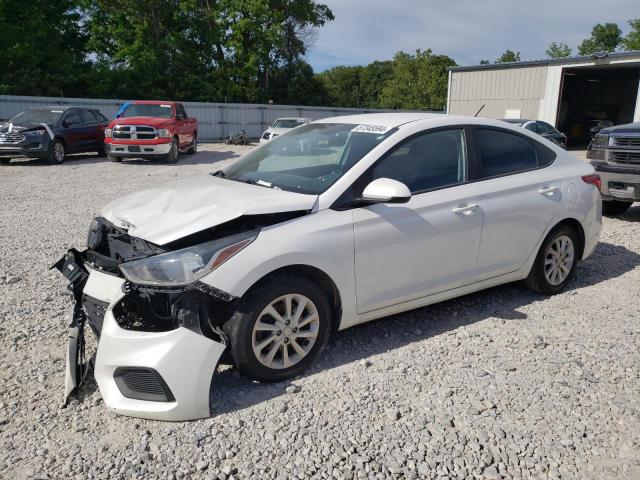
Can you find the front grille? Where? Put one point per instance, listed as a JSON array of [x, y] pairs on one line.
[[625, 157], [626, 142], [142, 383], [134, 132], [95, 310], [11, 137]]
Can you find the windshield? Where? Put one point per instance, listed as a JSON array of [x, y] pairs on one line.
[[146, 110], [287, 123], [308, 159], [37, 116]]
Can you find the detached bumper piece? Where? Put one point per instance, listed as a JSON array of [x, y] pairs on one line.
[[77, 365], [157, 350]]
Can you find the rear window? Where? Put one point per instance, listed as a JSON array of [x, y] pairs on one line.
[[502, 153]]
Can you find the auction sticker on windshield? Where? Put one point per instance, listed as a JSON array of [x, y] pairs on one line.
[[375, 129]]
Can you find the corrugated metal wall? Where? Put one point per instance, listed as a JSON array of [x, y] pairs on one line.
[[217, 120], [498, 90]]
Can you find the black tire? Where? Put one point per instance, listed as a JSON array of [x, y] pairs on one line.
[[537, 280], [102, 152], [615, 207], [4, 161], [57, 152], [111, 158], [194, 146], [172, 156], [240, 327]]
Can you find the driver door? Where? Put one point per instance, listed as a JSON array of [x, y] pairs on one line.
[[430, 244]]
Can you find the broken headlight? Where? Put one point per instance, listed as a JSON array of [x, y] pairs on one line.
[[187, 265]]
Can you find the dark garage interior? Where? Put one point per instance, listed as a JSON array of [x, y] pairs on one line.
[[592, 94]]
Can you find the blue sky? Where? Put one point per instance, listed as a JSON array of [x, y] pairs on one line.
[[466, 30]]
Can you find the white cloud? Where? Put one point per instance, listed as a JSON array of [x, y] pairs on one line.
[[466, 30]]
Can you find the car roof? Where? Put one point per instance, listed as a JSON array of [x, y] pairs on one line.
[[517, 121], [153, 102], [61, 107], [291, 118], [392, 120]]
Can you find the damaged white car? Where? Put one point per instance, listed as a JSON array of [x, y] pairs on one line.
[[332, 224]]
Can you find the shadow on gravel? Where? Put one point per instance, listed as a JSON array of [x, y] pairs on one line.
[[74, 159], [631, 215], [231, 392], [200, 158]]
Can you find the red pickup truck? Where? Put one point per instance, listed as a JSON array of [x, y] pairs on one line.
[[151, 129]]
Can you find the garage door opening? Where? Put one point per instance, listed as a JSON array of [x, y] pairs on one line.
[[590, 95]]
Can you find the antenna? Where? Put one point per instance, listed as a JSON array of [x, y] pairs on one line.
[[478, 112]]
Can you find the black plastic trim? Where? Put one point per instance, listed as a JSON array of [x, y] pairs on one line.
[[124, 382]]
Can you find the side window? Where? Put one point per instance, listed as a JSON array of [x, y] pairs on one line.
[[73, 118], [532, 127], [500, 153], [426, 161], [545, 128], [87, 116]]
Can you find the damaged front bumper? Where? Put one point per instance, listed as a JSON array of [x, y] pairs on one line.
[[164, 374]]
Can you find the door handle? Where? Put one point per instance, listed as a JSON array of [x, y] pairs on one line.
[[548, 191], [466, 210]]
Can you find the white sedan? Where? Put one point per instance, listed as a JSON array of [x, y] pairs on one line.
[[280, 126], [335, 223]]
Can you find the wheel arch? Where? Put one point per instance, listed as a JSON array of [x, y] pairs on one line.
[[317, 276]]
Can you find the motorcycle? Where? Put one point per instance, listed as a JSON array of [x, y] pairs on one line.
[[239, 138]]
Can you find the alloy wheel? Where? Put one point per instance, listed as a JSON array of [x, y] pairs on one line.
[[58, 152], [559, 259], [285, 331]]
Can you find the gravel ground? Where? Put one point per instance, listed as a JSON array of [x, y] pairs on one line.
[[499, 384]]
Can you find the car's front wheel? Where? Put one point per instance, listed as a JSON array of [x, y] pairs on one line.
[[57, 152], [556, 261], [172, 156], [279, 328], [615, 207]]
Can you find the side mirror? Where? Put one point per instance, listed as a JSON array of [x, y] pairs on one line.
[[386, 190]]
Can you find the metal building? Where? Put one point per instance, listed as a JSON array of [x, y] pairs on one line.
[[573, 94]]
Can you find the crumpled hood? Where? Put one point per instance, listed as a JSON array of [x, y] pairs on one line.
[[171, 211]]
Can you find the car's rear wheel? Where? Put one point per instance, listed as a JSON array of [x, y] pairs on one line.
[[556, 261], [57, 152], [279, 328], [172, 156], [615, 207]]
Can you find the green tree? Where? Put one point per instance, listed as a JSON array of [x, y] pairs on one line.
[[356, 86], [484, 62], [42, 49], [418, 81], [604, 38], [509, 56], [632, 40], [558, 50]]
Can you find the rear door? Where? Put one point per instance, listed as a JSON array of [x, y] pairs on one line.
[[520, 197], [184, 128]]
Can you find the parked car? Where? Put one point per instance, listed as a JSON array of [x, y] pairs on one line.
[[305, 236], [151, 129], [51, 133], [541, 128], [615, 155], [280, 126]]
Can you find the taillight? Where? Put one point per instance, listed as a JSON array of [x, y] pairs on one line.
[[593, 179]]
